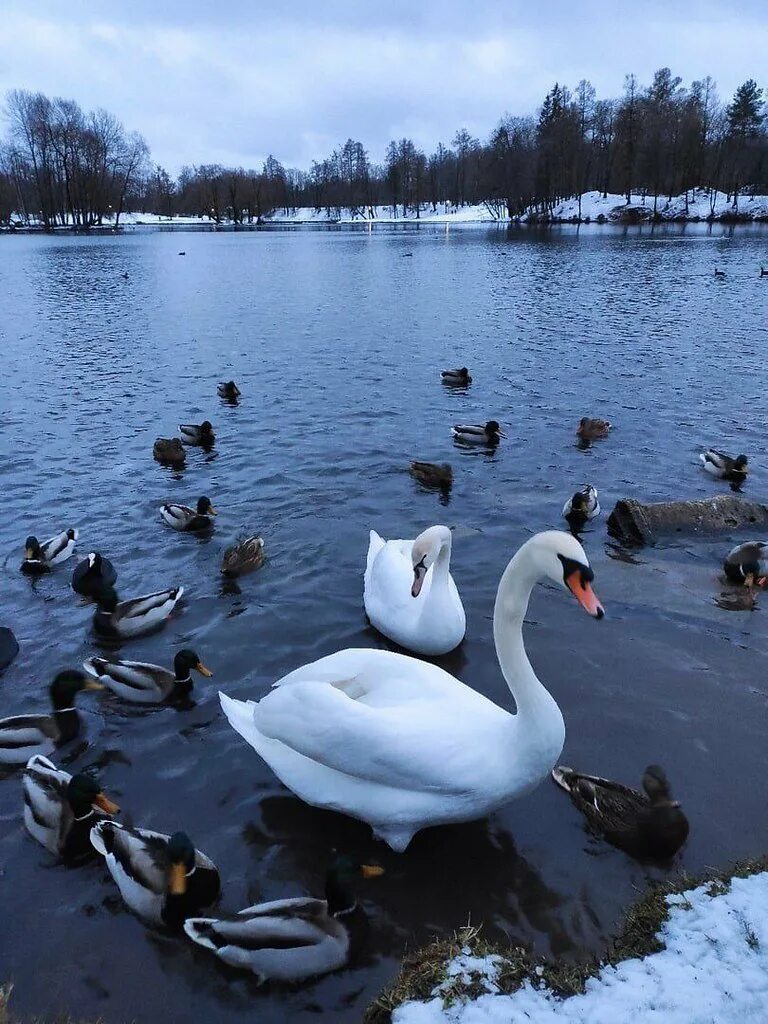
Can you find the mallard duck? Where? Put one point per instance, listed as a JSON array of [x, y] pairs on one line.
[[725, 467], [228, 389], [431, 474], [60, 809], [292, 939], [169, 451], [592, 429], [748, 563], [163, 879], [39, 558], [644, 826], [131, 618], [478, 434], [763, 272], [93, 574], [191, 520], [143, 683], [193, 433], [245, 555], [460, 376], [582, 507], [24, 736], [719, 273]]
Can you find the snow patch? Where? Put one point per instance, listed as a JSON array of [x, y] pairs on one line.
[[713, 970]]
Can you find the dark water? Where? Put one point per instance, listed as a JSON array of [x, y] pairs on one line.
[[336, 339]]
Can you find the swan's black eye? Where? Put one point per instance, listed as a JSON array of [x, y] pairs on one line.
[[570, 566]]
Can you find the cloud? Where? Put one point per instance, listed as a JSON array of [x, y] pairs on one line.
[[231, 83]]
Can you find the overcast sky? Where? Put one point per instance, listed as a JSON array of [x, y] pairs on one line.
[[231, 81]]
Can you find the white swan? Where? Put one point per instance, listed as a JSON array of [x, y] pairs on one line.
[[402, 744], [409, 594]]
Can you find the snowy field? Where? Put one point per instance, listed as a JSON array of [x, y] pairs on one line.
[[713, 970]]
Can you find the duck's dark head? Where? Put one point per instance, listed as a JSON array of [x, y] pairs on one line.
[[106, 598], [656, 784], [204, 507], [187, 660], [32, 548], [84, 793], [181, 858], [206, 427], [66, 686], [464, 371], [341, 873], [740, 463], [493, 429]]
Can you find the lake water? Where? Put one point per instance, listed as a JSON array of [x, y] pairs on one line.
[[336, 338]]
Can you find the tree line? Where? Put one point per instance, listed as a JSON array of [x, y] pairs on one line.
[[60, 165]]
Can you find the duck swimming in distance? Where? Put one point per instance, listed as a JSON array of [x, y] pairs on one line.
[[199, 434], [431, 474], [296, 938], [593, 429], [24, 736], [40, 558], [115, 618], [725, 467], [229, 390], [191, 520], [581, 508], [93, 574], [142, 683], [748, 563], [459, 377], [403, 745], [60, 809], [644, 825], [169, 451], [245, 555], [477, 433], [162, 878]]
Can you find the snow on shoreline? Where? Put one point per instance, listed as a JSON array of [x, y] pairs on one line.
[[713, 970], [595, 209]]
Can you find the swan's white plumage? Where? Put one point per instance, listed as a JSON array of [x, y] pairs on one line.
[[432, 623]]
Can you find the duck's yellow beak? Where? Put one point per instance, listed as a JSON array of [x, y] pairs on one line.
[[103, 802], [93, 684], [28, 552], [177, 884], [212, 511], [201, 668], [371, 870]]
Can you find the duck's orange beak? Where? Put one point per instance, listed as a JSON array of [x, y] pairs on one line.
[[584, 594], [203, 670], [103, 802], [177, 884]]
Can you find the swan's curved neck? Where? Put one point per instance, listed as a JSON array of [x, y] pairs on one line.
[[442, 563], [517, 582]]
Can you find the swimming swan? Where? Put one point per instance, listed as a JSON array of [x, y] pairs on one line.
[[409, 593], [403, 745]]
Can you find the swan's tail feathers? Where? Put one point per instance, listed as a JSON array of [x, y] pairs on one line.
[[375, 545], [565, 777], [239, 714]]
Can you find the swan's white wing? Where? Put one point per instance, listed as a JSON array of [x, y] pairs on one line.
[[383, 718]]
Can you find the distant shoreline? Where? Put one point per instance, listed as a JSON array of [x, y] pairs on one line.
[[697, 207]]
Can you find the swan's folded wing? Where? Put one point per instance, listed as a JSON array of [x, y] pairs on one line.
[[384, 734]]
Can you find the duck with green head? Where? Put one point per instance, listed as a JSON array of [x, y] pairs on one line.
[[142, 683], [190, 520], [40, 558], [24, 736], [60, 809], [293, 939], [162, 878]]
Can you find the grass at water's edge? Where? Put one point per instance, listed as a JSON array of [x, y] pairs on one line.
[[8, 1017], [426, 968]]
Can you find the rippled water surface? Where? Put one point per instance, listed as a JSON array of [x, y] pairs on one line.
[[336, 339]]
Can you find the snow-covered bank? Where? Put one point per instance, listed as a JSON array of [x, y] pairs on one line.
[[697, 205], [712, 969]]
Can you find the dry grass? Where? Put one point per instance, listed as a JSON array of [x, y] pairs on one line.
[[8, 1017], [424, 969]]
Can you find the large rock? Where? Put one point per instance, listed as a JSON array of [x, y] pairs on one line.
[[634, 522]]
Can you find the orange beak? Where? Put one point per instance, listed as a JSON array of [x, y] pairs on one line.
[[177, 885], [103, 802], [201, 668], [371, 870], [584, 594]]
